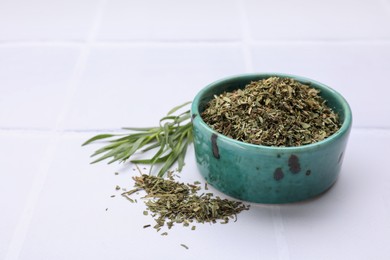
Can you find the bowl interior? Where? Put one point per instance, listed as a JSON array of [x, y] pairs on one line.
[[333, 98]]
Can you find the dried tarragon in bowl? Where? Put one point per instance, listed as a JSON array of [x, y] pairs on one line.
[[272, 112]]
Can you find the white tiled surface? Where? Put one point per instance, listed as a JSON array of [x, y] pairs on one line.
[[71, 69], [170, 20], [21, 155], [324, 20], [45, 20], [33, 83]]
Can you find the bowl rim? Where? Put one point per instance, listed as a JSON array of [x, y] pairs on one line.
[[344, 129]]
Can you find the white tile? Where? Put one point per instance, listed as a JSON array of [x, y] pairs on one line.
[[318, 20], [170, 20], [46, 19], [136, 86], [71, 220], [358, 71], [33, 83], [351, 220], [21, 159]]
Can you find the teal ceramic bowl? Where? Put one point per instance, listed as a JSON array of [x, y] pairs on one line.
[[266, 174]]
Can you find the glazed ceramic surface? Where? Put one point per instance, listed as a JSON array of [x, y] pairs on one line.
[[266, 174]]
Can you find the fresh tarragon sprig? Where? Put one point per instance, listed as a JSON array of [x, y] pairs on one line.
[[170, 140]]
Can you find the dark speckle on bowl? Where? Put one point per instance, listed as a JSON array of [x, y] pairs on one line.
[[278, 174], [193, 117], [293, 164], [340, 157], [308, 172], [214, 145]]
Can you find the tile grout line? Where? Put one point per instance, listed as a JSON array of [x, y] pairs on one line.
[[245, 36], [128, 43], [21, 230], [280, 234], [80, 67], [200, 42]]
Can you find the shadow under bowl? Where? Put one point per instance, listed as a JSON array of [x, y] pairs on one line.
[[266, 174]]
